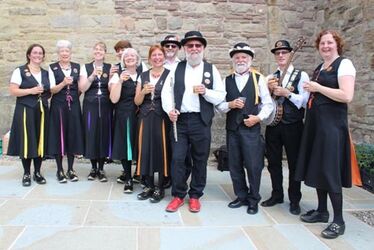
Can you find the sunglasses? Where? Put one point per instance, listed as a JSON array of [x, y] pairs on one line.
[[277, 53], [196, 45], [170, 46]]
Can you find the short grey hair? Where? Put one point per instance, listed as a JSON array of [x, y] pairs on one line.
[[126, 52], [63, 44]]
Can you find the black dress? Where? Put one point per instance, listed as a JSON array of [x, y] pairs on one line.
[[153, 132], [97, 116], [65, 134], [28, 134], [324, 159], [125, 122]]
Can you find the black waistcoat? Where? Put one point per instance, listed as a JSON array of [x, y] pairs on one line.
[[59, 76], [291, 113], [126, 99], [91, 93], [235, 117], [28, 81], [206, 108], [148, 104]]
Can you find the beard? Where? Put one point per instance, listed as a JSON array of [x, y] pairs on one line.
[[241, 67], [170, 55], [194, 59]]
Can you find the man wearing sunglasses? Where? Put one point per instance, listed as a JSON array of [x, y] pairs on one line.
[[198, 88], [289, 130], [171, 46]]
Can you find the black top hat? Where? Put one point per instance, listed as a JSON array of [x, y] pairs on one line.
[[171, 39], [193, 35], [281, 44], [242, 47]]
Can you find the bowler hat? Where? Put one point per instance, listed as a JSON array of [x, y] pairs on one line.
[[193, 35], [171, 39], [281, 44], [242, 47]]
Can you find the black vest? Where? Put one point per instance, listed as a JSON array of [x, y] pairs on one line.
[[155, 105], [329, 78], [59, 76], [126, 99], [206, 108], [91, 93], [234, 118], [291, 113], [28, 81]]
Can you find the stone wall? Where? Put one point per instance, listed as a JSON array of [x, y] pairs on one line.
[[223, 22]]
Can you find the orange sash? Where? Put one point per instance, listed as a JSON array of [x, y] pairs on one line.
[[355, 171]]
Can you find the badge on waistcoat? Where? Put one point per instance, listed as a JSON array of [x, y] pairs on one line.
[[105, 75], [291, 88], [75, 70], [27, 73], [55, 68], [207, 81], [207, 74]]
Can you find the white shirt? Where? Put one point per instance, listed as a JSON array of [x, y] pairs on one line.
[[300, 99], [346, 68], [171, 66], [17, 78], [266, 106], [190, 102]]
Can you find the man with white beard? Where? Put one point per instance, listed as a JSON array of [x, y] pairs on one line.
[[198, 88], [247, 103]]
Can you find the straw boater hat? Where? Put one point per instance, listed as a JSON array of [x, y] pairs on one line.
[[193, 35], [171, 39], [281, 44], [242, 47]]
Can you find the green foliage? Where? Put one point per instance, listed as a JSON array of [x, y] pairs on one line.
[[365, 157]]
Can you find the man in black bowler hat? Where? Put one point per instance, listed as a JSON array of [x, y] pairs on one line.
[[171, 45], [198, 87], [287, 133], [247, 103]]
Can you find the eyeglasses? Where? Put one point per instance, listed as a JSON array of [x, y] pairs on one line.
[[196, 45], [277, 53], [170, 46]]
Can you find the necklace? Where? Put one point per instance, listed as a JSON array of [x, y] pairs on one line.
[[156, 74], [34, 69], [65, 67]]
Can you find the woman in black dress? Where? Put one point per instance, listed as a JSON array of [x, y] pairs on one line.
[[153, 141], [30, 84], [65, 135], [97, 112], [122, 92], [324, 158]]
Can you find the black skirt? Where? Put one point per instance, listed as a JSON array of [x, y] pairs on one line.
[[29, 131], [65, 129]]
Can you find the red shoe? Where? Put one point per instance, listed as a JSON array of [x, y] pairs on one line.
[[175, 203], [194, 205]]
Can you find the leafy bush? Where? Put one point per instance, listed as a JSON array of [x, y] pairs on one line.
[[365, 157]]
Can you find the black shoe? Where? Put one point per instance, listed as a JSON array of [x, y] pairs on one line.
[[167, 183], [61, 177], [252, 209], [39, 178], [122, 178], [92, 175], [72, 176], [157, 195], [238, 203], [136, 178], [271, 202], [333, 231], [314, 216], [101, 175], [294, 208], [128, 188], [26, 180], [146, 194]]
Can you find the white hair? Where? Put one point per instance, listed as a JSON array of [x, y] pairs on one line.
[[63, 44], [126, 52]]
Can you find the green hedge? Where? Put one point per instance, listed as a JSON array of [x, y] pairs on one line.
[[365, 157]]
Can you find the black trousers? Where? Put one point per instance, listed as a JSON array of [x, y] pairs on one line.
[[193, 134], [289, 136], [246, 147]]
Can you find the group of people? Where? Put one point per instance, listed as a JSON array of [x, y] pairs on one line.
[[161, 119]]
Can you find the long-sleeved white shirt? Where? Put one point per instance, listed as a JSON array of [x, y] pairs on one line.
[[190, 102], [266, 106]]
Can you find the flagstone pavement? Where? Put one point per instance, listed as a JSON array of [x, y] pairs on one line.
[[94, 215]]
